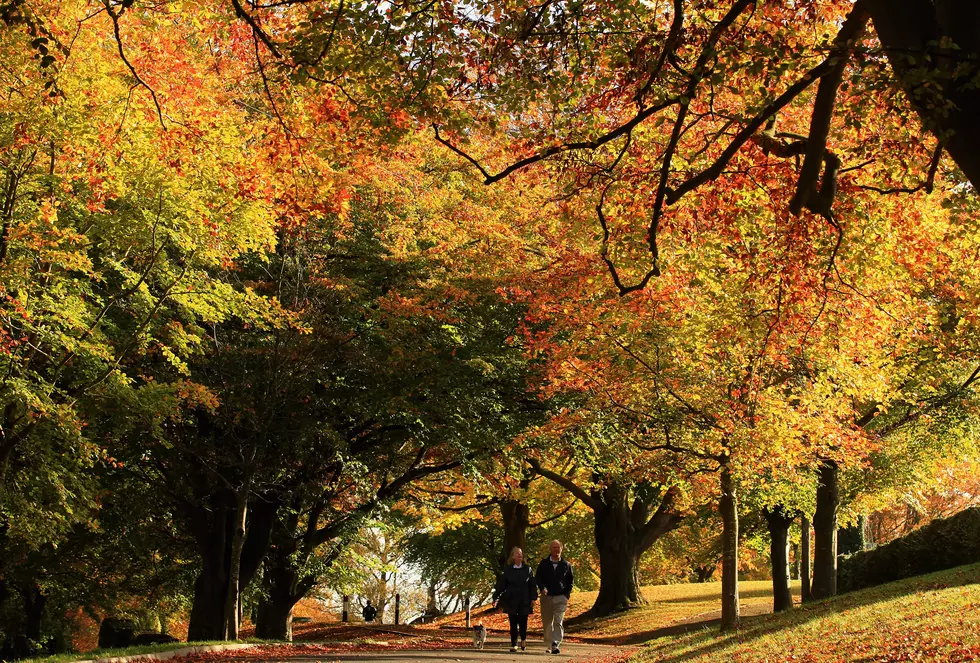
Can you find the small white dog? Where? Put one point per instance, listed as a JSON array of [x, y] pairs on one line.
[[479, 636]]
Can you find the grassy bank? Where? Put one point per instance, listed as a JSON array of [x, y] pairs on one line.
[[929, 618]]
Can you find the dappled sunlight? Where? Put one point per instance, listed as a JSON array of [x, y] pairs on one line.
[[667, 606], [930, 618]]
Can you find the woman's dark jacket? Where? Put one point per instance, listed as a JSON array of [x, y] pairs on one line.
[[515, 590]]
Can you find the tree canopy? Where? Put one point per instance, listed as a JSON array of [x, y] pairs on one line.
[[271, 269]]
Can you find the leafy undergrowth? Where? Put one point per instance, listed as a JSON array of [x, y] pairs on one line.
[[667, 606], [934, 618]]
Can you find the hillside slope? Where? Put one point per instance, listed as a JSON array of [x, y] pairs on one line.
[[928, 618]]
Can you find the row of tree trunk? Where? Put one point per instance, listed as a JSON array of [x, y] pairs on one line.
[[779, 519], [624, 530]]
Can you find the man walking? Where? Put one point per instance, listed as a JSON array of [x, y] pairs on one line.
[[554, 578], [369, 612]]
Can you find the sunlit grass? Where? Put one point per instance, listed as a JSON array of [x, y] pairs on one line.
[[930, 618], [670, 605], [667, 605]]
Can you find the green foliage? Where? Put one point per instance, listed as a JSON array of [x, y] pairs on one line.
[[461, 561]]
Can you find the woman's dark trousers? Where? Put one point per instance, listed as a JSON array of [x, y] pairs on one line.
[[517, 622]]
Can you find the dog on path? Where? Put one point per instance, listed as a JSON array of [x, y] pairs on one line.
[[479, 636]]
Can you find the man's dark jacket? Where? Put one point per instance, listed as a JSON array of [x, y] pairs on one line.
[[557, 580]]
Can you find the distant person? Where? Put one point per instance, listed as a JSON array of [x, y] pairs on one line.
[[369, 612], [516, 592], [554, 578]]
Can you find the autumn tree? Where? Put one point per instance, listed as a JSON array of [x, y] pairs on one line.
[[112, 229], [634, 498]]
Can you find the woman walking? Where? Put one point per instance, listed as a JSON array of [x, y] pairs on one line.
[[516, 591]]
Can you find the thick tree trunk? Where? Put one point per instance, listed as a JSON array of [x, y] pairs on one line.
[[938, 79], [729, 551], [284, 587], [779, 521], [618, 583], [235, 564], [34, 602], [805, 595], [207, 611], [213, 524], [274, 620], [211, 586], [431, 600], [623, 532], [824, 583], [517, 518], [283, 581]]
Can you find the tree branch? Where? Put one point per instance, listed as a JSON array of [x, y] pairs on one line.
[[663, 521], [823, 111], [565, 483], [621, 130], [604, 254], [256, 30], [554, 517], [115, 29]]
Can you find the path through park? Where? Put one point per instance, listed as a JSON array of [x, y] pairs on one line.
[[497, 650]]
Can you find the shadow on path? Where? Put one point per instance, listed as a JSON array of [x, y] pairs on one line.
[[497, 650], [704, 621]]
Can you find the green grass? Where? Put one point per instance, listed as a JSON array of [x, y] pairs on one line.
[[928, 618], [668, 606], [124, 651]]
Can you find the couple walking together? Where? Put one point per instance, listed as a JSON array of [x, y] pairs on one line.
[[517, 589]]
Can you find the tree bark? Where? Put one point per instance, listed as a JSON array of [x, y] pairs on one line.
[[235, 563], [517, 518], [284, 581], [805, 595], [285, 586], [211, 586], [824, 583], [623, 532], [431, 600], [34, 602], [212, 522], [274, 620], [779, 521], [618, 579], [728, 506], [938, 79]]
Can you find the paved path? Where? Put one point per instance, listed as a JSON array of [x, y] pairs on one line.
[[497, 650]]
